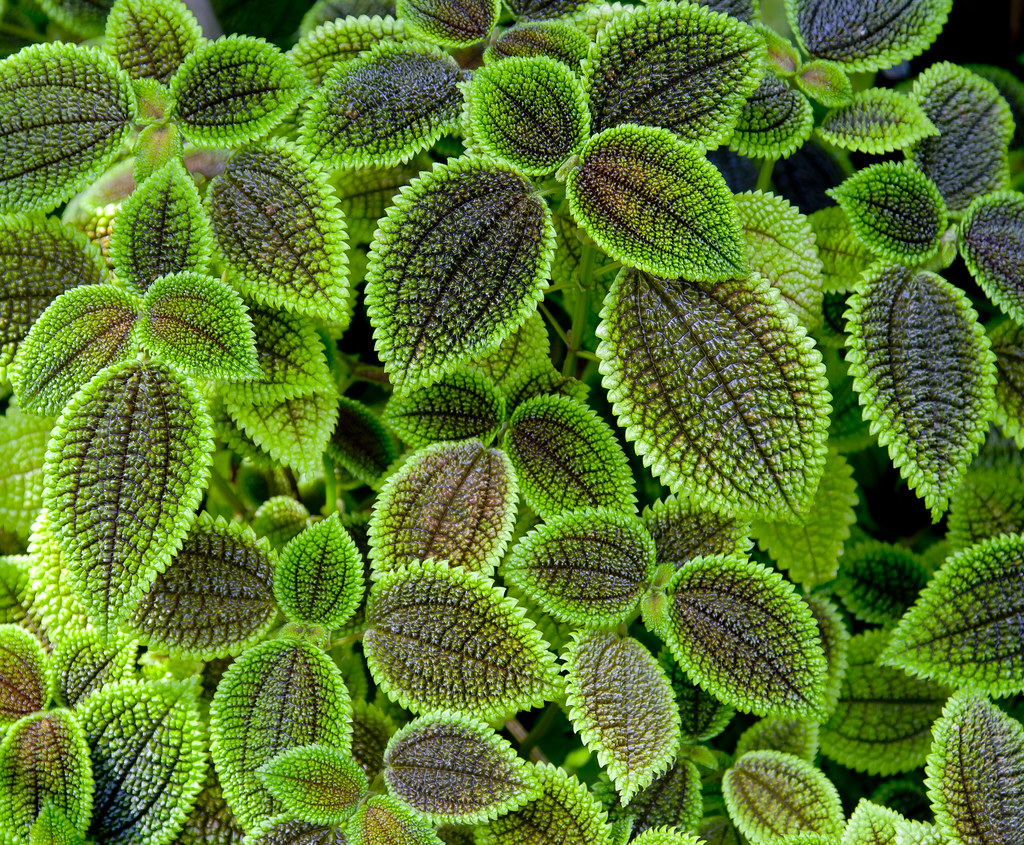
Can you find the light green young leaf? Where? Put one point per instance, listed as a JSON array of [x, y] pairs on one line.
[[557, 39], [381, 820], [834, 638], [23, 441], [65, 111], [987, 504], [685, 363], [566, 458], [877, 121], [279, 519], [774, 122], [843, 257], [126, 468], [341, 40], [26, 679], [15, 585], [281, 694], [315, 783], [798, 737], [151, 38], [826, 82], [361, 445], [667, 836], [450, 23], [365, 194], [878, 582], [682, 531], [52, 601], [84, 19], [53, 828], [992, 244], [673, 799], [910, 330], [83, 662], [447, 638], [872, 824], [703, 716]]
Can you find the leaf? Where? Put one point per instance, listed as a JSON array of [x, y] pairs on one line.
[[457, 265], [214, 598], [372, 729], [991, 242], [25, 675], [126, 469], [53, 828], [702, 716], [563, 813], [151, 38], [84, 662], [987, 504], [365, 194], [65, 111], [450, 23], [672, 213], [279, 519], [834, 639], [878, 582], [44, 761], [148, 759], [720, 390], [234, 90], [780, 733], [770, 794], [825, 82], [280, 694], [882, 721], [622, 706], [1007, 340], [1011, 89], [384, 106], [743, 634], [84, 19], [316, 783], [454, 502], [774, 122], [975, 125], [285, 830], [588, 568], [361, 444], [341, 40], [682, 532], [744, 10], [679, 67], [673, 799], [14, 589], [381, 820], [975, 772], [872, 824], [866, 36], [23, 441], [843, 257], [964, 629], [447, 638], [555, 38], [667, 836], [567, 458], [211, 821], [877, 120], [51, 599], [909, 331], [276, 226]]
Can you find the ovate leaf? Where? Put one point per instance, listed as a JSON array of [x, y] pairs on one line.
[[341, 40], [381, 820], [774, 122], [83, 662], [25, 675], [23, 440], [826, 82], [702, 716], [53, 828], [279, 519], [878, 582], [987, 504], [682, 531], [151, 38], [872, 824], [843, 256], [450, 23], [316, 783], [285, 830], [365, 194], [992, 242], [877, 120], [558, 39], [361, 444]]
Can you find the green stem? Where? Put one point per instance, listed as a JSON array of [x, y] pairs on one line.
[[554, 324], [576, 331], [764, 175], [330, 487], [539, 729], [221, 485], [25, 34]]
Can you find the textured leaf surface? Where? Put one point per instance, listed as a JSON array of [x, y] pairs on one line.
[[878, 582], [457, 265], [798, 737], [988, 503], [83, 661], [877, 120], [361, 444], [53, 828], [126, 468], [843, 257], [826, 82], [872, 824], [992, 244], [702, 716], [211, 821], [440, 637], [557, 39], [151, 38], [1008, 346], [682, 531], [64, 113], [834, 638], [284, 830], [451, 23], [381, 820], [365, 194], [719, 389], [654, 202], [924, 374], [774, 121], [23, 441], [342, 40], [672, 799], [279, 519], [316, 783], [25, 680]]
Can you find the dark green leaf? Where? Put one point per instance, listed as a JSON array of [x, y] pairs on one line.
[[1011, 89], [381, 820], [279, 519], [798, 737], [285, 830], [992, 244], [987, 504], [557, 39], [1008, 347], [211, 821], [339, 41], [450, 23], [361, 444], [702, 716], [744, 10], [878, 582], [834, 639], [672, 799], [877, 120], [316, 783], [151, 38], [372, 730], [682, 531], [83, 662], [26, 679], [23, 441], [774, 121]]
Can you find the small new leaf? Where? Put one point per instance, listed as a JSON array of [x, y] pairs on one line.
[[992, 244], [774, 122], [450, 23], [798, 737], [25, 674], [872, 824], [315, 783], [151, 38], [682, 531], [825, 82], [361, 444], [877, 120], [381, 820], [557, 39]]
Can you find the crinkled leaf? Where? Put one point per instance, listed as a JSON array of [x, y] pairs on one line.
[[450, 23], [372, 730], [457, 265], [774, 122], [744, 10], [702, 716], [52, 600], [557, 39], [25, 674], [65, 111], [834, 638], [279, 519], [667, 836], [1011, 89], [682, 531], [879, 582], [327, 10], [211, 821], [872, 824], [83, 662], [672, 799], [365, 194], [877, 120], [286, 830], [516, 354], [381, 820], [15, 584], [151, 38], [53, 828], [1008, 346], [992, 244], [23, 442], [361, 444], [341, 40], [798, 737], [843, 257], [316, 783], [719, 388], [826, 82], [987, 504]]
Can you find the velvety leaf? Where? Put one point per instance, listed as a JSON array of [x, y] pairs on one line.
[[53, 828], [456, 770], [924, 373], [447, 638], [361, 444], [720, 390], [566, 458], [883, 718], [83, 662], [774, 122], [702, 716], [682, 531], [450, 23], [673, 799], [234, 90], [280, 694], [965, 628], [316, 783], [557, 39], [277, 227], [843, 257], [798, 737], [341, 40], [64, 113], [987, 504], [992, 244], [453, 501], [457, 265], [126, 469], [879, 582], [654, 202], [384, 106], [588, 568], [826, 82], [148, 759], [872, 824], [23, 441], [770, 794], [968, 156], [877, 120], [151, 38], [25, 675], [381, 820], [372, 730]]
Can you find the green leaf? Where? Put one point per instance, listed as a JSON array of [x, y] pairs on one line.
[[667, 836], [26, 678], [1007, 342], [517, 354], [84, 662], [44, 760], [316, 783], [770, 794], [15, 583], [447, 638], [1011, 89], [384, 106], [563, 813], [361, 444], [567, 458], [672, 215], [866, 36], [622, 706], [743, 634], [843, 257], [975, 772], [285, 830], [774, 121], [557, 39], [53, 828], [458, 264], [987, 504], [65, 111], [450, 23], [279, 519], [456, 770], [52, 598], [702, 716], [372, 730], [161, 228], [676, 66], [992, 242], [895, 210], [798, 737], [878, 582], [83, 18], [281, 694], [151, 38], [975, 125], [365, 194], [454, 502], [872, 824], [126, 469], [877, 120], [883, 718], [381, 820], [909, 331], [682, 531], [339, 41], [963, 630], [277, 227], [23, 441], [588, 568], [834, 639], [673, 799], [234, 90], [720, 390], [148, 759], [825, 82]]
